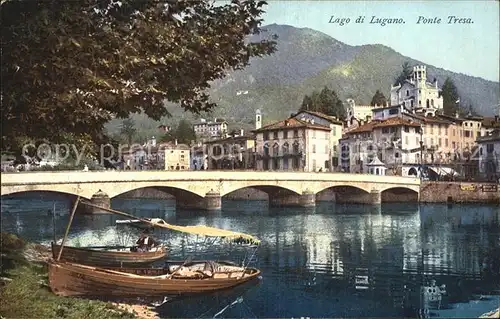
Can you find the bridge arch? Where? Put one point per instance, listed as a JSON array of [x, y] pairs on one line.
[[156, 191], [399, 194], [268, 188], [116, 189], [74, 190], [44, 191]]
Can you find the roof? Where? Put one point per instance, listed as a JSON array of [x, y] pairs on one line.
[[430, 119], [396, 121], [492, 137], [291, 123], [376, 162], [386, 107], [231, 139], [368, 127], [331, 119], [491, 122]]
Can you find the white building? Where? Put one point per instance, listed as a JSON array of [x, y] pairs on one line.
[[217, 128], [489, 155], [416, 94], [336, 128], [358, 115], [293, 144], [395, 141]]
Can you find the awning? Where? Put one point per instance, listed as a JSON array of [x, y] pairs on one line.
[[440, 170], [209, 232]]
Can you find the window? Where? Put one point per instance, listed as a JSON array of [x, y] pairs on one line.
[[334, 130], [489, 148], [481, 150], [276, 150], [266, 149], [467, 133], [295, 133], [446, 142], [266, 136], [314, 133], [393, 111], [411, 103], [314, 165], [385, 130], [314, 148], [439, 141], [285, 148], [275, 135], [407, 140], [396, 155], [296, 147], [326, 149], [285, 134], [407, 129], [407, 93], [285, 163]]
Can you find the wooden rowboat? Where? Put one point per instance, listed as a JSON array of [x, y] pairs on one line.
[[70, 279], [108, 258]]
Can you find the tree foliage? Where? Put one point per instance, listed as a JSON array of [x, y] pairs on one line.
[[378, 99], [326, 101], [71, 66], [450, 96], [184, 133], [405, 73], [128, 130]]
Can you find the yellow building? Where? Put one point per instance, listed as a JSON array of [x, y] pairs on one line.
[[177, 158]]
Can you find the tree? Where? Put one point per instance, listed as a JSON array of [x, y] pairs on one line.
[[128, 129], [405, 73], [68, 67], [326, 101], [451, 99], [184, 133], [378, 99]]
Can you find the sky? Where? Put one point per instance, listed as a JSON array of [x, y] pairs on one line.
[[472, 49]]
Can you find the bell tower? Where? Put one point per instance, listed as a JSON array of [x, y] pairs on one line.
[[258, 120]]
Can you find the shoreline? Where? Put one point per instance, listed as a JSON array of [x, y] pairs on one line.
[[24, 276]]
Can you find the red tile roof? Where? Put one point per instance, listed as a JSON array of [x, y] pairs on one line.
[[396, 121], [291, 123], [332, 119]]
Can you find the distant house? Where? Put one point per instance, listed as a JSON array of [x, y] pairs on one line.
[[217, 128], [164, 128], [177, 157]]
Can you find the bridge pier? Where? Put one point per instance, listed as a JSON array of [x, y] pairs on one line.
[[307, 199], [211, 201], [100, 199]]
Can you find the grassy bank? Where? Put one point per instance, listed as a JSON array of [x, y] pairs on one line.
[[24, 291]]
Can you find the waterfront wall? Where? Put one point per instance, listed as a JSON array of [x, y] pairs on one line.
[[459, 192]]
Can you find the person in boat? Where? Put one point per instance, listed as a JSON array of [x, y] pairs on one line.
[[145, 242]]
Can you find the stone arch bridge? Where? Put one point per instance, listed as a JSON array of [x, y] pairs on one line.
[[204, 189]]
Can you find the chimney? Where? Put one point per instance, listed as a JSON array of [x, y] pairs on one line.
[[241, 132], [175, 142]]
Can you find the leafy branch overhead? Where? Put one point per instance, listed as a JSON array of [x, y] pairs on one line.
[[71, 66]]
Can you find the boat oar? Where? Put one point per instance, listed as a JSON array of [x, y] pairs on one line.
[[119, 213], [68, 227]]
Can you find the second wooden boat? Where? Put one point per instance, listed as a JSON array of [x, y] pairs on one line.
[[70, 279], [109, 258]]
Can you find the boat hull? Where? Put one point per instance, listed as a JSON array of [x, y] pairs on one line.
[[106, 258], [68, 279]]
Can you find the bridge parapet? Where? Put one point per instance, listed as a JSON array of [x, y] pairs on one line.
[[200, 183]]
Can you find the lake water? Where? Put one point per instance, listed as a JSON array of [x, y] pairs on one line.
[[328, 261]]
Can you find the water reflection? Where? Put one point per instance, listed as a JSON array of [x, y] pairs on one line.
[[327, 261]]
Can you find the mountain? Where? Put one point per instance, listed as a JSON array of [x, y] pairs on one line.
[[307, 60]]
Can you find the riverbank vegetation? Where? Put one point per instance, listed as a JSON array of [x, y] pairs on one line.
[[24, 287]]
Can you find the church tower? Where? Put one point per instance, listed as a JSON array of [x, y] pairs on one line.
[[258, 120]]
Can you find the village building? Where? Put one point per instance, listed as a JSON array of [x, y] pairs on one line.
[[417, 95], [211, 129], [233, 152], [489, 155]]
